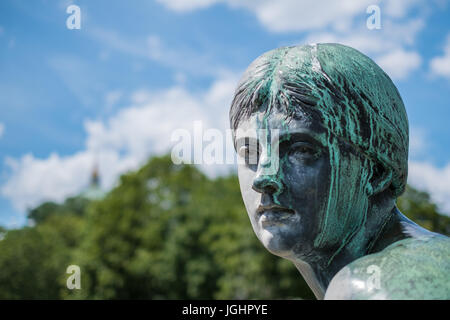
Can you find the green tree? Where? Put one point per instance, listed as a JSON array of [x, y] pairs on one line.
[[164, 232], [71, 206], [33, 260], [169, 232], [417, 206]]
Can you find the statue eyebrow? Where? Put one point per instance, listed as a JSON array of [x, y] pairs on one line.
[[305, 135], [308, 136]]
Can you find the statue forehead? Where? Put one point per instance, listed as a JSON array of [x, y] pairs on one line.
[[257, 125]]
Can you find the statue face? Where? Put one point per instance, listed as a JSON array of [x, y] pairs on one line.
[[286, 194]]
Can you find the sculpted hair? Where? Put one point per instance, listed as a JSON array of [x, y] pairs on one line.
[[343, 90]]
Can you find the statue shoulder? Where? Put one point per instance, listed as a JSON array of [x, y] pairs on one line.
[[414, 268]]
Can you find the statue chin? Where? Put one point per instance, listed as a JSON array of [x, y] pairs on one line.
[[272, 242], [277, 242]]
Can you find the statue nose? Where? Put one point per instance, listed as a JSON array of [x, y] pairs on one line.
[[266, 184]]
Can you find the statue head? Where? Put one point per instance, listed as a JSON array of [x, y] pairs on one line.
[[323, 135]]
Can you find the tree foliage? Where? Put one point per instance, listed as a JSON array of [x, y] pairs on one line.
[[417, 206], [164, 232]]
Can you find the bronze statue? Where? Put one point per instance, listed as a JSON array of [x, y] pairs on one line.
[[322, 133]]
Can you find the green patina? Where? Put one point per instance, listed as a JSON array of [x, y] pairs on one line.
[[356, 103], [408, 269], [265, 134], [359, 107]]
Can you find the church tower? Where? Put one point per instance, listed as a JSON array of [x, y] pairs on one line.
[[93, 191]]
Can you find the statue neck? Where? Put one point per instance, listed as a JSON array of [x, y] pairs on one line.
[[384, 226]]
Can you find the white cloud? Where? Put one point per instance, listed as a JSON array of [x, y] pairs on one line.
[[341, 21], [392, 46], [122, 142], [190, 5], [294, 15], [302, 15], [440, 66], [417, 141], [34, 180], [393, 36], [399, 63], [424, 175], [385, 46], [285, 15], [2, 129], [436, 181]]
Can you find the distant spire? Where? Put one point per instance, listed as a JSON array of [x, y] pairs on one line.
[[93, 191], [95, 177]]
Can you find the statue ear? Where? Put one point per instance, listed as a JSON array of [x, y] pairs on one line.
[[380, 179]]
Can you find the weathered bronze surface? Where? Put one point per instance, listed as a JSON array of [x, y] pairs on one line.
[[322, 133]]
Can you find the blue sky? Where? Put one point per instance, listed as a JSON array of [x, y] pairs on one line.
[[112, 92]]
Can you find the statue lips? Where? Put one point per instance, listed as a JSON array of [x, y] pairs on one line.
[[271, 215]]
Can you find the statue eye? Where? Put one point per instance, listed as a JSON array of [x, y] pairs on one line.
[[303, 151]]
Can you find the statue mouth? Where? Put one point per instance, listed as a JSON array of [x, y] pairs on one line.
[[273, 215], [273, 207]]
